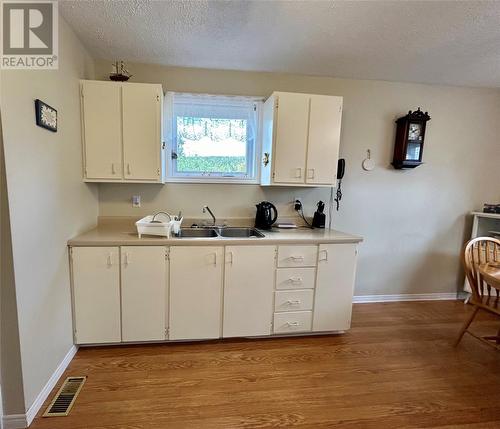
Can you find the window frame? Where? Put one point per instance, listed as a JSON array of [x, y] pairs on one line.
[[170, 130]]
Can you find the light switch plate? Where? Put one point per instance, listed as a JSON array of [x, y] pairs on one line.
[[136, 201]]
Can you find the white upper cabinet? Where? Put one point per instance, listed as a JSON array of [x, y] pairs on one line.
[[324, 139], [301, 136], [291, 133], [142, 105], [122, 132], [248, 290], [102, 130]]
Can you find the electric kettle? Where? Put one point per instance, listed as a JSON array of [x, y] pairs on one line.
[[265, 217]]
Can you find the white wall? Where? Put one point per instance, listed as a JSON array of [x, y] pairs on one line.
[[413, 221], [48, 204]]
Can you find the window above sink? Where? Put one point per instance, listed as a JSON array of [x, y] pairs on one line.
[[212, 139]]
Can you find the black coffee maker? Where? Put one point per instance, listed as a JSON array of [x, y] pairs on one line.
[[265, 217]]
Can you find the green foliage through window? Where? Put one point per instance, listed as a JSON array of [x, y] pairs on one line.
[[211, 145]]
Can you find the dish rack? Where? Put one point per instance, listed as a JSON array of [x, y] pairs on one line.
[[162, 225]]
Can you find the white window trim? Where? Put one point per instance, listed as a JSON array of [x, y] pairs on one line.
[[169, 139]]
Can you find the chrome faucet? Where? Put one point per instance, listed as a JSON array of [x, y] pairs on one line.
[[207, 209]]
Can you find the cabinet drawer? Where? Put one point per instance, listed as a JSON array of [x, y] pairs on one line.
[[295, 278], [297, 256], [297, 321], [293, 300]]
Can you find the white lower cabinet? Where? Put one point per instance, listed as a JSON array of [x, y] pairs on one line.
[[96, 294], [248, 290], [195, 292], [143, 293], [154, 293], [334, 287]]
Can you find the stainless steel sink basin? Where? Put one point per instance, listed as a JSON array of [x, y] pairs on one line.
[[197, 233], [240, 233]]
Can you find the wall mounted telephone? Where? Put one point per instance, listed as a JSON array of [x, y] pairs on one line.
[[340, 175], [340, 168]]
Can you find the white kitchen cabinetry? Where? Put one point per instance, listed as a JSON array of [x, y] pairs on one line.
[[301, 137], [102, 130], [134, 293], [143, 293], [248, 290], [334, 287], [195, 292], [96, 294], [122, 132]]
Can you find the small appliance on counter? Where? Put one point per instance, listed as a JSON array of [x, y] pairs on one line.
[[319, 217], [491, 208], [264, 218]]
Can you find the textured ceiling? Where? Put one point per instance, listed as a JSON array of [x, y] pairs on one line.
[[445, 42]]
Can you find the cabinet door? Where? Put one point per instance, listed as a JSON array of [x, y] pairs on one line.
[[248, 290], [291, 137], [101, 120], [143, 293], [324, 139], [142, 131], [96, 294], [195, 292], [334, 287]]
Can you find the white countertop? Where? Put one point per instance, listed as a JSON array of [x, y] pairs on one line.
[[116, 235]]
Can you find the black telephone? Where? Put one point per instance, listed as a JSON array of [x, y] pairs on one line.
[[340, 168], [340, 175]]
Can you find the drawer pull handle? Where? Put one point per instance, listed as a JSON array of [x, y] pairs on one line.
[[292, 323], [127, 259], [109, 260], [297, 258], [298, 172], [293, 302], [324, 252], [296, 280]]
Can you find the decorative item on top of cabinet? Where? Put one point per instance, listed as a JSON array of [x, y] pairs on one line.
[[122, 132], [301, 137], [410, 134], [119, 73]]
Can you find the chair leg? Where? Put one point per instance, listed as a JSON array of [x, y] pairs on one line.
[[466, 326]]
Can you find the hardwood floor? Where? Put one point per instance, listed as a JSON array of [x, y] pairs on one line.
[[396, 368]]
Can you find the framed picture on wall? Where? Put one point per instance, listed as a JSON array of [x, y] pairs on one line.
[[46, 116]]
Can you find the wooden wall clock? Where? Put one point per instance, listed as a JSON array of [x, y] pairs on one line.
[[410, 134]]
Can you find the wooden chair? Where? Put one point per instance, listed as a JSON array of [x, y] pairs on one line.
[[485, 296]]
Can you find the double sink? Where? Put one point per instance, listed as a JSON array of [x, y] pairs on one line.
[[220, 232]]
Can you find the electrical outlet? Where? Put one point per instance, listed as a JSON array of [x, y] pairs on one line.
[[297, 203], [136, 201]]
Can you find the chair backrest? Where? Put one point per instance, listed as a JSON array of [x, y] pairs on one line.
[[479, 251]]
